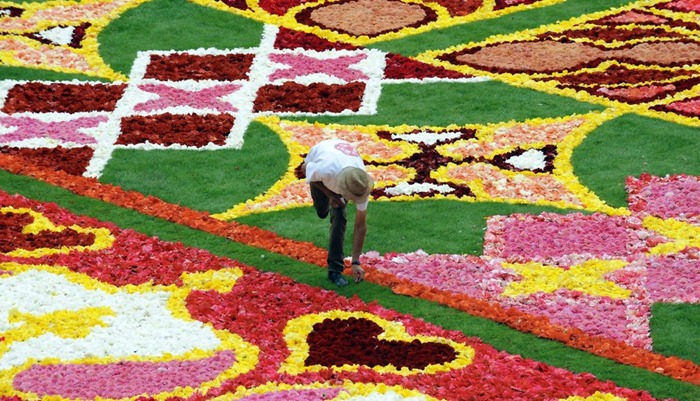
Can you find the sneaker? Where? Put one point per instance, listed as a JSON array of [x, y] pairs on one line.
[[337, 279]]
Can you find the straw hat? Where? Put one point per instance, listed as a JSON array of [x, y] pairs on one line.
[[355, 184]]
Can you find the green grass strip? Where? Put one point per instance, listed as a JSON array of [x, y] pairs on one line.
[[212, 180], [402, 226], [629, 146], [446, 103], [173, 25], [479, 30], [35, 74], [500, 336], [674, 329]]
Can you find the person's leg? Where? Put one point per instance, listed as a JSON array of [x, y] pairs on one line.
[[336, 241], [336, 252], [321, 202]]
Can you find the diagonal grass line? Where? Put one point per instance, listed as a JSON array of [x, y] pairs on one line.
[[500, 336], [212, 180], [447, 103], [629, 146]]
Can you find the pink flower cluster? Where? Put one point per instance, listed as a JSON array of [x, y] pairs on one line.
[[556, 239], [122, 379], [672, 278], [676, 197], [563, 241], [311, 394], [484, 278]]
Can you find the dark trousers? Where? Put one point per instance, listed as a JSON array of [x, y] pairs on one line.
[[339, 221]]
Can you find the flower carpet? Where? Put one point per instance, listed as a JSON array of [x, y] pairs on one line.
[[448, 119]]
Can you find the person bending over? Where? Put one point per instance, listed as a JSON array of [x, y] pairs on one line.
[[336, 174]]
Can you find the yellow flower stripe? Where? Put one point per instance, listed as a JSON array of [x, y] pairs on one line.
[[221, 281], [564, 170], [348, 390], [597, 396], [294, 150]]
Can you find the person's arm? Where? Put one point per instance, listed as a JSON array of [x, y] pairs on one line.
[[335, 199], [358, 241]]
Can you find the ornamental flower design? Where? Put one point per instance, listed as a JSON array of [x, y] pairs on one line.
[[33, 234], [169, 103], [60, 37], [371, 21], [639, 57], [328, 335], [597, 273], [90, 311], [525, 162], [96, 327], [91, 339]]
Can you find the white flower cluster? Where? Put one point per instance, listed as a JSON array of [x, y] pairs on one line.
[[405, 188], [532, 159], [56, 317]]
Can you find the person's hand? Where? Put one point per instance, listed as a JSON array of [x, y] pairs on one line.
[[358, 272]]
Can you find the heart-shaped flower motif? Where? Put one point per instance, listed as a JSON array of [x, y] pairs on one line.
[[345, 341]]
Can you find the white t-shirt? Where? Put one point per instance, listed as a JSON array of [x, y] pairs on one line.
[[327, 159]]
